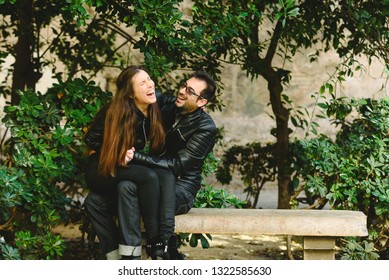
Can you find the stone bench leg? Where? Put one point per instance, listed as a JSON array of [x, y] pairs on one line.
[[319, 248]]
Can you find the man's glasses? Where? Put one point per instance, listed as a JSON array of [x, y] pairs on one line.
[[189, 90]]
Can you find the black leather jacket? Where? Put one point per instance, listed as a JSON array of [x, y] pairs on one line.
[[94, 136], [189, 139]]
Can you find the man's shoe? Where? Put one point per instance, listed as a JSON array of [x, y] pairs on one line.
[[171, 251]]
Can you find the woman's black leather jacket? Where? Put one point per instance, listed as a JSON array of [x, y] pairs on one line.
[[94, 136]]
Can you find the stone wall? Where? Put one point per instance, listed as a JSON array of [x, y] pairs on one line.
[[245, 117]]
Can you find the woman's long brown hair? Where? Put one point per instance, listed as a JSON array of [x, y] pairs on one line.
[[120, 123]]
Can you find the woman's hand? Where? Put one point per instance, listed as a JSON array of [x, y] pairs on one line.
[[129, 155]]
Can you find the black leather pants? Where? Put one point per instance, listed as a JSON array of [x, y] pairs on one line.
[[107, 194], [131, 197], [174, 200]]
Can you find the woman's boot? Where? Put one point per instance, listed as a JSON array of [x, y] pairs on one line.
[[155, 248]]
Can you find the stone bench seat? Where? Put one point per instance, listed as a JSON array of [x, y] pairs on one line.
[[320, 228]]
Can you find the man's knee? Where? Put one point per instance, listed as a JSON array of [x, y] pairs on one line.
[[127, 188], [92, 200], [184, 201], [96, 202]]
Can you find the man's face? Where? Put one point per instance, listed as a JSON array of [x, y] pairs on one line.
[[188, 98]]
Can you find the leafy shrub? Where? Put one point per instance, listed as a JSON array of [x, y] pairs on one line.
[[7, 252], [42, 170], [352, 250], [254, 162], [46, 246], [351, 172], [208, 197]]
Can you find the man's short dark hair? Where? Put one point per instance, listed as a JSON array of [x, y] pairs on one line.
[[209, 92]]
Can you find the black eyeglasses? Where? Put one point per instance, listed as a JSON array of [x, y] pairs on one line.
[[189, 90]]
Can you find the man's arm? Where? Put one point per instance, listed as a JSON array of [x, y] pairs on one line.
[[164, 99], [192, 157]]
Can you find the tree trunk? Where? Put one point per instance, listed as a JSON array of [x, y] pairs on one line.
[[24, 75], [282, 134]]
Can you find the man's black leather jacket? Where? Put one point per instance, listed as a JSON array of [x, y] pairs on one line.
[[189, 139]]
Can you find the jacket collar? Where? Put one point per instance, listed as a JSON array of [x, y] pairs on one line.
[[139, 113], [193, 113]]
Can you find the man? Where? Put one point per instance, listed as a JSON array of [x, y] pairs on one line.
[[190, 136]]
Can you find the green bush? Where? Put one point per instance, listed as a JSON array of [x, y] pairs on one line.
[[42, 170], [351, 172], [208, 197], [255, 164], [353, 250], [46, 246]]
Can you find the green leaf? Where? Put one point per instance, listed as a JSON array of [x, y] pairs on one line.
[[193, 241], [204, 242], [322, 105]]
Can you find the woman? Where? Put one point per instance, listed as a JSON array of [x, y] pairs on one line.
[[131, 119]]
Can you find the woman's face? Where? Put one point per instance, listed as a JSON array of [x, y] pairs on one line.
[[144, 90]]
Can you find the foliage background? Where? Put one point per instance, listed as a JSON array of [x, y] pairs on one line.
[[78, 40]]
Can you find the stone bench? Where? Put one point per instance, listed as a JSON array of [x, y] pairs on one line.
[[319, 228]]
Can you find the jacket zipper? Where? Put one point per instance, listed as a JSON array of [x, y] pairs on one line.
[[176, 122], [144, 130]]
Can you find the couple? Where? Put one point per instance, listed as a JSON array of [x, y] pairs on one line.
[[147, 153]]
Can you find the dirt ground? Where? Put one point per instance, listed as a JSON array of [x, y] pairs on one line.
[[244, 247], [222, 247]]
